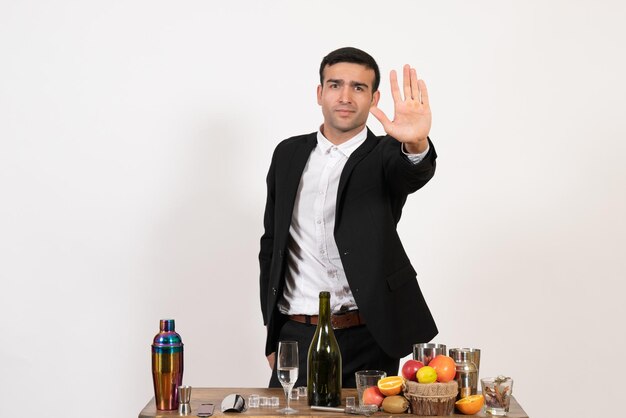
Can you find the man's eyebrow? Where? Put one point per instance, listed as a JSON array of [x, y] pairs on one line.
[[352, 83], [357, 84]]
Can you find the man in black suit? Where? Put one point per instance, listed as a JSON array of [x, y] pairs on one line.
[[334, 198]]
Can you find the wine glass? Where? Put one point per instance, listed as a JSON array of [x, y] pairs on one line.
[[287, 369]]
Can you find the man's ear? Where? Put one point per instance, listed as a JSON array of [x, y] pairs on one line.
[[375, 98], [319, 95]]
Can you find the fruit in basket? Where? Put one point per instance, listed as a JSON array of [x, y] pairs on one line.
[[372, 396], [445, 368], [410, 368], [395, 404], [390, 386], [470, 405], [426, 374]]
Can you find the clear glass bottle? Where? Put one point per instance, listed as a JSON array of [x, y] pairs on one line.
[[324, 361]]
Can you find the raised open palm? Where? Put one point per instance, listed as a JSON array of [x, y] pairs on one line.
[[412, 117]]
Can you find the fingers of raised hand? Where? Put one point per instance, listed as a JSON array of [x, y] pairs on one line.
[[395, 89], [423, 92], [413, 87], [380, 115], [408, 82]]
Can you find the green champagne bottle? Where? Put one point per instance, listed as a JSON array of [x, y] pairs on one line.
[[324, 361]]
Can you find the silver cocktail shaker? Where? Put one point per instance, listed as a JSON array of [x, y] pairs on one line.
[[466, 372]]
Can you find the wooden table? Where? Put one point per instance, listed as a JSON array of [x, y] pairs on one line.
[[215, 396]]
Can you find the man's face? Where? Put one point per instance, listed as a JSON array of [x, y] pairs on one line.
[[346, 97]]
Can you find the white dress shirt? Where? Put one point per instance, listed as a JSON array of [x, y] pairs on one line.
[[313, 262]]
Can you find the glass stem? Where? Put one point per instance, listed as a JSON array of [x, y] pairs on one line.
[[287, 393]]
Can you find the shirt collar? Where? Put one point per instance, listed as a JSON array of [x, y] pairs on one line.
[[346, 148]]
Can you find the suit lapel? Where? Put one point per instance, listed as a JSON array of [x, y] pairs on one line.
[[364, 149], [297, 163]]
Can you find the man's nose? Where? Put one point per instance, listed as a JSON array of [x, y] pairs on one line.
[[345, 96]]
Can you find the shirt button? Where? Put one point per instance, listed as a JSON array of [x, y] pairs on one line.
[[318, 222]]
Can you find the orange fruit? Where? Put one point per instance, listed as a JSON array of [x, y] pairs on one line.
[[390, 386], [445, 368], [470, 405]]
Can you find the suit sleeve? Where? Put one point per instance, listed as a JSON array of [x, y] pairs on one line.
[[403, 176], [267, 239]]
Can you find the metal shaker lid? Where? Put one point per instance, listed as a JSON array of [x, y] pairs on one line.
[[167, 337], [460, 354]]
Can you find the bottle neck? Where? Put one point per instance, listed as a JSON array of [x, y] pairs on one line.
[[324, 311]]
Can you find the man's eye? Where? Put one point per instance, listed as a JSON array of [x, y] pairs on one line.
[[333, 86], [358, 88]]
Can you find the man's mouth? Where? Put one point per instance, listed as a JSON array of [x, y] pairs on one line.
[[344, 112]]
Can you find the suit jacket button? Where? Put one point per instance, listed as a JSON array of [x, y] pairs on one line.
[[274, 290]]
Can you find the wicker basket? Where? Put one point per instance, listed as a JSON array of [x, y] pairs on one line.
[[431, 398]]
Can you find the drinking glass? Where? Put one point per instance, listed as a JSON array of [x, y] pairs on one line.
[[425, 352], [497, 392], [366, 379], [287, 369]]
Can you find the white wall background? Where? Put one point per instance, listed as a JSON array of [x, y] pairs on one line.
[[134, 141]]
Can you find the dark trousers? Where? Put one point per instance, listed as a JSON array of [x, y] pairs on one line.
[[359, 351]]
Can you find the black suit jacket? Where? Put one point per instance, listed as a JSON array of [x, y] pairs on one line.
[[373, 188]]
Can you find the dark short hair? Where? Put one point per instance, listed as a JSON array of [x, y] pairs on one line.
[[354, 56]]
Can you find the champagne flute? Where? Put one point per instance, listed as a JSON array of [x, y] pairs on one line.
[[287, 369]]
